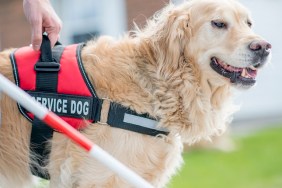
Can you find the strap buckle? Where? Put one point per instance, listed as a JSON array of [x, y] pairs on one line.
[[47, 67]]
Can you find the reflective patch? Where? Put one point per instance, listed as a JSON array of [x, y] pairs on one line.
[[142, 121]]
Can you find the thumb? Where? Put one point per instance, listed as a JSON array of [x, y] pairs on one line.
[[53, 38]]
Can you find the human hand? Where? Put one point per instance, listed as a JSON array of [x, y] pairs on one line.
[[42, 18]]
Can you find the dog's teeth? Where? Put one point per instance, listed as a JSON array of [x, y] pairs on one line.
[[252, 68], [214, 60], [244, 73]]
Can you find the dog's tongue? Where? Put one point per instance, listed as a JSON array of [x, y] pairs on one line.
[[252, 73], [249, 73]]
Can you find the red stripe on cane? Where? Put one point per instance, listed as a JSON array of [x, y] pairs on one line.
[[58, 124]]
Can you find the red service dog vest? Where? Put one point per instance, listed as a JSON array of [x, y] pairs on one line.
[[73, 100]]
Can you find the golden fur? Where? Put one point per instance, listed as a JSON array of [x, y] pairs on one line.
[[162, 70]]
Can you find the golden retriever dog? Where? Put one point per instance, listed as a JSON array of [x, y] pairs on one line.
[[181, 68]]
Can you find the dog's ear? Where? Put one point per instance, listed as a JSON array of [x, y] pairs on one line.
[[174, 35]]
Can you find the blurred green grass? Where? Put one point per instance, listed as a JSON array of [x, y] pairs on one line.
[[256, 163]]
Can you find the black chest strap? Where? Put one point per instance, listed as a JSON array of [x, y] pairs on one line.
[[46, 81]]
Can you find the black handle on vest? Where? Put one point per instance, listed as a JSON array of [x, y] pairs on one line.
[[46, 51], [46, 62]]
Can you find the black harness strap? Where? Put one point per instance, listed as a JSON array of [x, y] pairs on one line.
[[124, 118], [46, 80], [46, 69]]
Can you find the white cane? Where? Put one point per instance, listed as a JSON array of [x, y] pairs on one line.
[[57, 123]]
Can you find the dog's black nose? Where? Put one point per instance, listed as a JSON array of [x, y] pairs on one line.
[[261, 50], [260, 47]]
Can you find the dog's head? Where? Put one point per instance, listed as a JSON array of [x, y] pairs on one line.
[[224, 41], [201, 48], [217, 35]]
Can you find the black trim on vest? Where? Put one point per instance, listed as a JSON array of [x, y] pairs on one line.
[[99, 102], [17, 81], [82, 70]]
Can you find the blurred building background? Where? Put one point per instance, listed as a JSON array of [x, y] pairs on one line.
[[82, 20], [14, 29], [85, 19]]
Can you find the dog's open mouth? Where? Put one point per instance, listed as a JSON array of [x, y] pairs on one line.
[[244, 76]]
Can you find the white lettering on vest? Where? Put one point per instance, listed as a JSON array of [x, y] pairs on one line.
[[44, 102], [86, 108], [73, 107], [54, 106], [59, 105], [79, 107], [65, 102], [50, 103]]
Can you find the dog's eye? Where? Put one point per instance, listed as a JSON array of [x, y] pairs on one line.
[[219, 24], [249, 23]]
